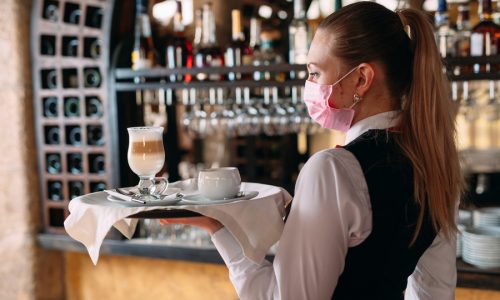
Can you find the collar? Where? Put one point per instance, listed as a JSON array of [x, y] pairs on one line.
[[383, 120]]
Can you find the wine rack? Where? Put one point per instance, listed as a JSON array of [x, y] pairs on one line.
[[70, 53]]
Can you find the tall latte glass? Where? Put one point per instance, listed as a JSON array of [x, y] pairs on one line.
[[146, 157]]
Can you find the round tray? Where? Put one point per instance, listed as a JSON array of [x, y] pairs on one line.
[[165, 213]]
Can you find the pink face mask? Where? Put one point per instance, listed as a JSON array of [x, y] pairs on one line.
[[316, 98]]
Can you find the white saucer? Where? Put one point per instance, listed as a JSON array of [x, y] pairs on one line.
[[198, 199], [164, 202]]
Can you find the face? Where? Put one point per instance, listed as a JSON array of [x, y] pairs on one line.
[[324, 68]]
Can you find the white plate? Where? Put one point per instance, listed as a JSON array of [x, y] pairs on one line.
[[198, 199], [164, 202]]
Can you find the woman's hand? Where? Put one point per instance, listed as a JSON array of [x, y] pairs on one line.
[[206, 223]]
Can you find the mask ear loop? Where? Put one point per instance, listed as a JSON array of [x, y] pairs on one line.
[[357, 99]]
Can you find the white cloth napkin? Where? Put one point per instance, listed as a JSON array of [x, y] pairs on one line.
[[256, 223]]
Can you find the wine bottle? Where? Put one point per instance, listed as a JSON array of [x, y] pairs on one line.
[[209, 54], [50, 107], [97, 186], [95, 136], [71, 107], [238, 52], [49, 79], [179, 50], [485, 37], [93, 107], [75, 189], [55, 190], [92, 47], [70, 78], [52, 135], [70, 46], [73, 135], [53, 163], [75, 163], [463, 37]]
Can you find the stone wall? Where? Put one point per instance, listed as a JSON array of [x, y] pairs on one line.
[[25, 271]]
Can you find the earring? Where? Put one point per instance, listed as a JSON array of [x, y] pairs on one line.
[[357, 98]]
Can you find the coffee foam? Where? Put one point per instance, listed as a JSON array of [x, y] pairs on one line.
[[141, 135]]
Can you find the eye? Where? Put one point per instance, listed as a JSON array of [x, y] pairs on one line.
[[313, 74]]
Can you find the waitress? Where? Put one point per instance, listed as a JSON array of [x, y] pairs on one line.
[[374, 219]]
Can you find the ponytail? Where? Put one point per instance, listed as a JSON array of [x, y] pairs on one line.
[[429, 129]]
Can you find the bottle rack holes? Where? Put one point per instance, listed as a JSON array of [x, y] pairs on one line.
[[97, 163], [55, 190], [95, 135], [75, 163], [92, 77], [73, 135], [50, 10], [97, 186], [50, 107], [71, 107], [49, 79], [47, 45], [70, 45], [72, 13], [52, 135], [92, 47], [76, 189], [56, 217], [70, 78], [53, 163], [93, 107], [94, 17]]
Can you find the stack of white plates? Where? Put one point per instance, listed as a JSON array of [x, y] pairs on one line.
[[464, 220], [481, 246], [487, 216], [461, 229]]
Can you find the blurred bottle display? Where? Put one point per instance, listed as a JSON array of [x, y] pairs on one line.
[[53, 163], [179, 50], [75, 163], [445, 35], [71, 107], [238, 52], [298, 36], [209, 53], [55, 190], [267, 56], [75, 189], [485, 37], [50, 107], [463, 37]]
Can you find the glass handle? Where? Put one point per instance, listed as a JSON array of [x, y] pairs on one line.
[[160, 184]]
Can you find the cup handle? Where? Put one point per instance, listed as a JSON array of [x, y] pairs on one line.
[[160, 184]]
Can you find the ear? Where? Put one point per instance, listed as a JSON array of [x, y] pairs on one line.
[[366, 73]]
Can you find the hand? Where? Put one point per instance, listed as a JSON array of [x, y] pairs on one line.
[[206, 223]]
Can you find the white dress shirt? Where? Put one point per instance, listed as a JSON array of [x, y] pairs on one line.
[[331, 212]]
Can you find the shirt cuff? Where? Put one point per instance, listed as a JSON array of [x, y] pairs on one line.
[[228, 247]]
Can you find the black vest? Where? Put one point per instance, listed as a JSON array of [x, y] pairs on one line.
[[379, 267]]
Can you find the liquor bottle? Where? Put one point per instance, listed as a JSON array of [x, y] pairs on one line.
[[298, 37], [50, 107], [95, 136], [445, 35], [71, 107], [75, 163], [198, 29], [75, 189], [463, 37], [485, 37], [73, 135], [53, 162], [143, 54], [55, 190], [238, 52], [209, 54], [179, 52], [93, 107], [267, 56]]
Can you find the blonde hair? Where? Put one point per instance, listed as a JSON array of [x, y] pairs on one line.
[[365, 32]]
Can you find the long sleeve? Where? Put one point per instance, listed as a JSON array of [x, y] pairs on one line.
[[435, 275], [330, 212]]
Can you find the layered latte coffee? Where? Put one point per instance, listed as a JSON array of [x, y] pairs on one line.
[[146, 154]]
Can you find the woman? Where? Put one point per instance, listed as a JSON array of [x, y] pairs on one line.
[[374, 219]]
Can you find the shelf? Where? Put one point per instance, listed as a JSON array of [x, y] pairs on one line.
[[451, 62]]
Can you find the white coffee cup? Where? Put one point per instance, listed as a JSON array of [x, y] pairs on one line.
[[219, 183]]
